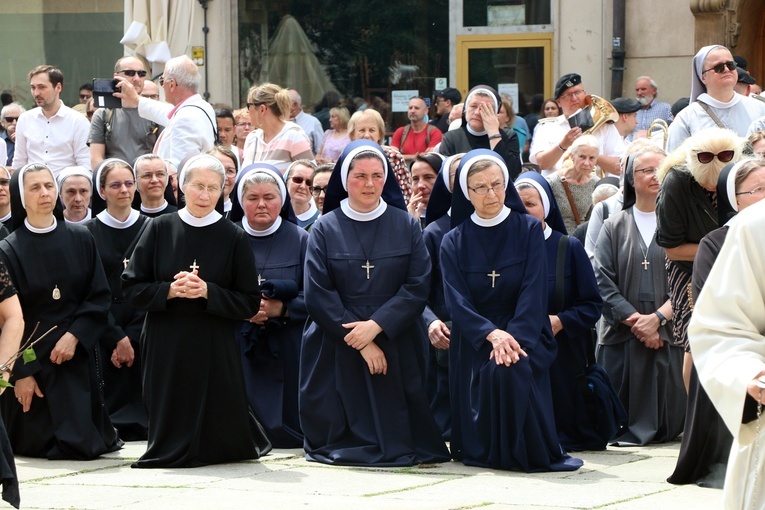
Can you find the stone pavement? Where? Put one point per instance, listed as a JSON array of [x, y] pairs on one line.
[[624, 478]]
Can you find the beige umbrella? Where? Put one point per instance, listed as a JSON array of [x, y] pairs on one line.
[[292, 63], [158, 29]]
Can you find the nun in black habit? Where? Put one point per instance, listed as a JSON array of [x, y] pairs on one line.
[[56, 409], [195, 275], [574, 307], [270, 340], [155, 195], [435, 316], [367, 272], [480, 130], [707, 441], [495, 284], [116, 230]]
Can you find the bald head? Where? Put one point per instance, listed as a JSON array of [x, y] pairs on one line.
[[295, 103]]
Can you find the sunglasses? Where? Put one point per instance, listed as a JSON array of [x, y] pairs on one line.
[[131, 73], [707, 157], [318, 190], [300, 180], [721, 67], [10, 119], [85, 96]]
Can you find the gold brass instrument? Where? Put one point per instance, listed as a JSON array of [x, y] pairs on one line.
[[602, 112], [658, 128]]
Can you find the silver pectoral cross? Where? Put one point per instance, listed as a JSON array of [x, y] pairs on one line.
[[645, 264], [367, 267], [194, 266], [260, 280], [493, 275], [125, 262]]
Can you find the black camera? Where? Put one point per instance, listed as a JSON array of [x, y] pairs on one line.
[[103, 93]]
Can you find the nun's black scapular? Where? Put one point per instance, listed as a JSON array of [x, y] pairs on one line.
[[364, 266], [495, 277], [115, 241], [61, 283], [193, 383]]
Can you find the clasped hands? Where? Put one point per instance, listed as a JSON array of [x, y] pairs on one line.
[[505, 349], [361, 337], [188, 285], [645, 328]]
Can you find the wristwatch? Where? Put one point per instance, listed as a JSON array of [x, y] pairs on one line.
[[662, 319], [492, 137]]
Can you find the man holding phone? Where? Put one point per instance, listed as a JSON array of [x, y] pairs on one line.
[[189, 120], [121, 132]]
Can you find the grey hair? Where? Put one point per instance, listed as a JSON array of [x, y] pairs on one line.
[[585, 141], [204, 162], [653, 83], [11, 105], [184, 71], [140, 160], [603, 191], [253, 178], [295, 96]]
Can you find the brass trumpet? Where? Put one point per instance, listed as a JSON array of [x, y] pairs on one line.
[[658, 128], [602, 112]]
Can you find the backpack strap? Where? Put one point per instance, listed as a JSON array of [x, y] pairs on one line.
[[212, 124]]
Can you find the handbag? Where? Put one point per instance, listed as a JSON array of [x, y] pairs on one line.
[[604, 409]]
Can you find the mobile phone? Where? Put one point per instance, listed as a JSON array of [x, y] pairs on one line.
[[103, 90]]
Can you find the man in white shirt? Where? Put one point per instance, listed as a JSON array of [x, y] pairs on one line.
[[52, 133], [627, 109], [310, 124], [189, 120], [553, 137]]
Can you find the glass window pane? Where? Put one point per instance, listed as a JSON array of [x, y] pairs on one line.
[[500, 13], [498, 66]]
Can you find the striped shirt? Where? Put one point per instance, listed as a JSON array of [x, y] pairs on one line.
[[290, 144]]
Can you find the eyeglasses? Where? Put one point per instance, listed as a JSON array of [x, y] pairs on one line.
[[201, 188], [300, 180], [156, 175], [707, 157], [756, 191], [315, 190], [85, 96], [10, 119], [118, 185], [571, 95], [230, 172], [162, 80], [721, 67], [151, 96], [5, 182], [131, 72], [646, 171], [484, 190]]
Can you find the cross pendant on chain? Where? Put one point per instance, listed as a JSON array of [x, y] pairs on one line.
[[194, 266], [493, 275], [125, 262], [260, 280], [367, 267], [645, 264]]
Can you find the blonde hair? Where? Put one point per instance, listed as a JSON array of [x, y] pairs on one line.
[[342, 114], [714, 140], [274, 97], [367, 114]]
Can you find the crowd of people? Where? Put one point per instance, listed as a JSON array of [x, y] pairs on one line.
[[221, 281]]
